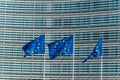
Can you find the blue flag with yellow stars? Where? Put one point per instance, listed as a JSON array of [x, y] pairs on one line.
[[61, 47], [97, 51], [36, 46]]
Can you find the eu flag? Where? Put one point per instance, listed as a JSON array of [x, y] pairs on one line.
[[97, 51], [61, 47], [36, 46]]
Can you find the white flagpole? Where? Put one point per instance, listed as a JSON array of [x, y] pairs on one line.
[[101, 67], [44, 64], [73, 55], [44, 68], [101, 60]]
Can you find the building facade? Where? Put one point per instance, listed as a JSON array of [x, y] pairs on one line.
[[88, 20]]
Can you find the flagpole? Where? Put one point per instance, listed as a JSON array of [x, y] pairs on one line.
[[101, 67], [101, 75], [73, 55], [44, 68], [44, 63]]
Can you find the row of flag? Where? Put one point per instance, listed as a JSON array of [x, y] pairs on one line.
[[58, 47]]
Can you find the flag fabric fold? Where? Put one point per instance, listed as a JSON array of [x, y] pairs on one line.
[[36, 46], [97, 51], [61, 47]]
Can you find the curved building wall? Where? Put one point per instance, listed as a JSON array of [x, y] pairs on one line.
[[23, 20]]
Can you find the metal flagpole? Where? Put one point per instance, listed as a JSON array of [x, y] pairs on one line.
[[73, 55], [101, 67], [44, 63], [101, 63], [44, 68]]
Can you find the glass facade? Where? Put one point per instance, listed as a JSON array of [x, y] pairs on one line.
[[23, 20]]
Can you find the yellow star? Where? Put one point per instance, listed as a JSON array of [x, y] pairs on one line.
[[57, 43], [38, 43], [32, 51], [64, 48], [37, 47], [63, 41], [54, 46], [66, 44], [96, 50]]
